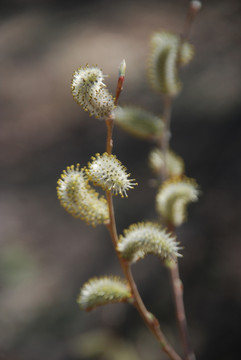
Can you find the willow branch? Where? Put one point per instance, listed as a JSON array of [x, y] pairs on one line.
[[149, 319], [177, 287], [193, 9], [176, 283], [165, 140], [109, 141]]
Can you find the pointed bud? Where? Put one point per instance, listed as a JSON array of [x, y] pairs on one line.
[[195, 5], [121, 78], [122, 68]]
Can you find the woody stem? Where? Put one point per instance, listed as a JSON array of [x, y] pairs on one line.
[[149, 319]]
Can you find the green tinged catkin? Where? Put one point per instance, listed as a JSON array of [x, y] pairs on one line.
[[158, 161], [103, 290], [139, 122], [173, 197], [167, 53]]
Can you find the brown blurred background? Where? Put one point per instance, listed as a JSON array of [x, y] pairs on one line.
[[45, 254]]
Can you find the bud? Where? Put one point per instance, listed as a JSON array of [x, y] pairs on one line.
[[122, 68], [121, 79], [195, 5]]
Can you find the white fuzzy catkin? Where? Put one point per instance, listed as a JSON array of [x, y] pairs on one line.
[[107, 171], [103, 290], [90, 92], [147, 238], [174, 163], [166, 53], [79, 199], [173, 197]]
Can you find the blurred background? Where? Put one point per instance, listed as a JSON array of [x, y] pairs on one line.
[[45, 254]]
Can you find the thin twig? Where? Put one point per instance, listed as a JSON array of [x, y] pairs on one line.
[[165, 140], [194, 7], [176, 282], [149, 319], [180, 311], [109, 141]]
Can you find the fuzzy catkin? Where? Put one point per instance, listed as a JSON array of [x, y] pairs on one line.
[[79, 199], [174, 163], [103, 290], [167, 52], [173, 198], [90, 92], [108, 172], [139, 122], [147, 238]]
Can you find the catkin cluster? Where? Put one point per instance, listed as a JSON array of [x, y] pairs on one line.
[[80, 199]]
